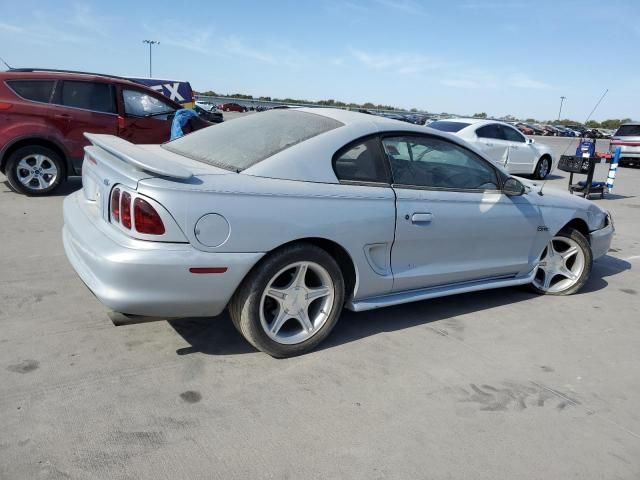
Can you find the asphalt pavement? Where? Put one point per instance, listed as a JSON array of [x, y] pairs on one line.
[[501, 384]]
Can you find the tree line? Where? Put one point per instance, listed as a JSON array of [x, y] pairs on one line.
[[611, 123], [326, 103]]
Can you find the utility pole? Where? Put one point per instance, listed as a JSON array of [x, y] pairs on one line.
[[562, 99], [151, 43]]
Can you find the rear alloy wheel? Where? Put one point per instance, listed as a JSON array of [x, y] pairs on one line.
[[543, 168], [290, 302], [35, 170], [565, 264]]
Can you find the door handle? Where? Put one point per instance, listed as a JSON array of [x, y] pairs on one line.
[[421, 218], [64, 116], [489, 144]]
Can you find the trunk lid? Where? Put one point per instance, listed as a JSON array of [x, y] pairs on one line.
[[111, 160]]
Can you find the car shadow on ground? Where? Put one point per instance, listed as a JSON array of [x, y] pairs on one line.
[[71, 185], [218, 336]]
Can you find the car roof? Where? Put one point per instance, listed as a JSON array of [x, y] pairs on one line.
[[49, 75], [318, 150], [630, 123]]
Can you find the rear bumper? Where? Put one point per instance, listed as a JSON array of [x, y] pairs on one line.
[[145, 278], [601, 240]]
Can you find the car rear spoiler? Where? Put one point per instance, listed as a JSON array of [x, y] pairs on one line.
[[138, 157]]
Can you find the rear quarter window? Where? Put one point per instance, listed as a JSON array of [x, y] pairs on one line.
[[445, 126], [34, 90], [628, 131]]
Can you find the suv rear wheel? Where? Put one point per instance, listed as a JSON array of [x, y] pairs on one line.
[[35, 170]]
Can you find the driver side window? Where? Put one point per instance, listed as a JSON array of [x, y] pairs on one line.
[[436, 163], [141, 104]]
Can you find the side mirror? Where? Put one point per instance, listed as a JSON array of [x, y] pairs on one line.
[[530, 140], [513, 188]]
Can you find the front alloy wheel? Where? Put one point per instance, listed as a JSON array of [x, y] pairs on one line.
[[564, 265]]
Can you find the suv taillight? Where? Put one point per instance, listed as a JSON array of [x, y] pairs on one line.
[[125, 210], [146, 218], [115, 205]]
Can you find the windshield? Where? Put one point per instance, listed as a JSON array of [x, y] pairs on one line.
[[243, 142], [628, 131], [448, 126]]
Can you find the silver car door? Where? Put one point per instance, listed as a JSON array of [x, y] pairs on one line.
[[453, 223]]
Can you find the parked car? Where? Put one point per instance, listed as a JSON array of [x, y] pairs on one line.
[[627, 138], [503, 144], [44, 114], [232, 107], [537, 129], [287, 216], [524, 128], [208, 111]]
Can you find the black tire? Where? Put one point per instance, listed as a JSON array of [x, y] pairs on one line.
[[538, 173], [14, 170], [583, 244], [244, 307]]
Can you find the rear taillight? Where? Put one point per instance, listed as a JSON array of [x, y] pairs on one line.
[[131, 212], [146, 218], [115, 205], [5, 106], [125, 210]]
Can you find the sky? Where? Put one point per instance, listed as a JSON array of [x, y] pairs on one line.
[[502, 57]]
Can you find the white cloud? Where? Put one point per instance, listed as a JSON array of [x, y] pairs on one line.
[[521, 80], [235, 46], [10, 28], [400, 62], [404, 6], [460, 83]]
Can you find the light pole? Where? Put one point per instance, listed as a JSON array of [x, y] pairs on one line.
[[562, 99], [151, 43]]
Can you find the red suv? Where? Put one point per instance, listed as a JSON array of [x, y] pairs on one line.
[[44, 115]]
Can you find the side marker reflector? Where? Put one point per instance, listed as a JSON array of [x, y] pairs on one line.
[[208, 269]]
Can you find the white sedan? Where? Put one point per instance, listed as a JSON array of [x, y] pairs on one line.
[[503, 144]]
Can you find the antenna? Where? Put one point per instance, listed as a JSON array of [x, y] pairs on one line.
[[569, 143], [8, 66]]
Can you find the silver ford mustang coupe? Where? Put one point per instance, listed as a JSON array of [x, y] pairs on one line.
[[287, 216]]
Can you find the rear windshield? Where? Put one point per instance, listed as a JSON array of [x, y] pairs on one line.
[[36, 90], [243, 142], [628, 131], [448, 126]]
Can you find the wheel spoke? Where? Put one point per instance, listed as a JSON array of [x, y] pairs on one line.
[[52, 170], [299, 276], [278, 321], [547, 279], [305, 321], [42, 183], [26, 180], [551, 251], [565, 272], [315, 293], [276, 293], [570, 252], [23, 164], [39, 160]]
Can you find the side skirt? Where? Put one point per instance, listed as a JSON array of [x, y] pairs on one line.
[[439, 291]]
